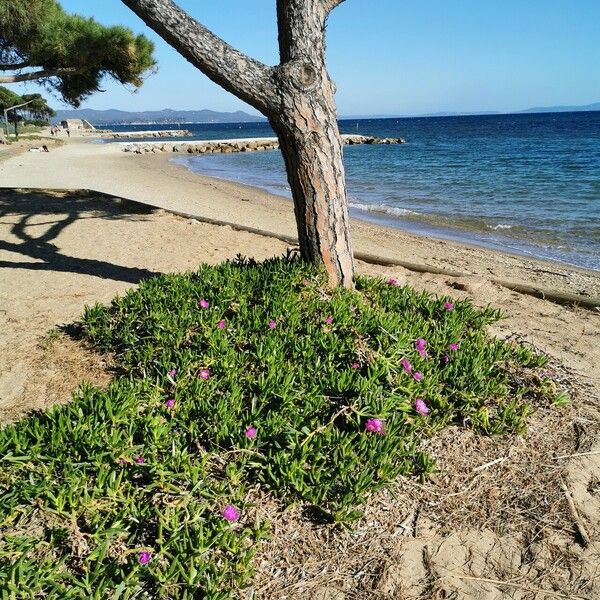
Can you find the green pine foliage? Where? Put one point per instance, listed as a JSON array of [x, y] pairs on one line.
[[235, 375], [40, 34], [8, 98]]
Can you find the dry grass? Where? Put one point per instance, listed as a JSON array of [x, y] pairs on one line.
[[55, 369]]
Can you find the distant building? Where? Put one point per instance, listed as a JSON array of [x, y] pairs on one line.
[[77, 125]]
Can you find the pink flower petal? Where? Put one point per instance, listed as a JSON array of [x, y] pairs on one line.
[[375, 426], [204, 374], [421, 407], [231, 513]]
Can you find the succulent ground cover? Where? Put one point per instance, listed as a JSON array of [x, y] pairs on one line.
[[233, 376]]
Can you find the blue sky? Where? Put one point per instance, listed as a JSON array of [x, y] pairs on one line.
[[391, 56]]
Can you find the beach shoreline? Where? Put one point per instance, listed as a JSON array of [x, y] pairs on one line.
[[387, 223], [518, 186], [421, 224], [156, 180]]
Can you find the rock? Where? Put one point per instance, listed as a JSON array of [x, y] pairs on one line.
[[228, 146]]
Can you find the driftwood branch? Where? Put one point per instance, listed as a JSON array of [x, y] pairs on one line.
[[239, 74]]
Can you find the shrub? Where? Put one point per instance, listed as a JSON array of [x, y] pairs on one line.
[[237, 374]]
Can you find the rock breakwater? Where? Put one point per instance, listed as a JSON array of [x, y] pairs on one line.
[[159, 133], [236, 145]]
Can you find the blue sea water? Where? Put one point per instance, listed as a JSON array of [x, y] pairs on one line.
[[525, 183]]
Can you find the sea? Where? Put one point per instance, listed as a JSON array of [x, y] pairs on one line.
[[523, 183]]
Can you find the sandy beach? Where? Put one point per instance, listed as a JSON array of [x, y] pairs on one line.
[[86, 221]]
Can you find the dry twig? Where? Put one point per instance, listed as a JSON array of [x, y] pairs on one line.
[[575, 513]]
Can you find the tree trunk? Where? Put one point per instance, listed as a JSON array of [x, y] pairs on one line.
[[306, 123], [5, 112], [298, 98], [315, 173]]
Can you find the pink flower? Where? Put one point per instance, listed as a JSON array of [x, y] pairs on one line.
[[406, 365], [272, 324], [421, 407], [170, 403], [144, 558], [231, 513], [122, 461], [420, 345], [172, 373], [305, 282], [446, 359], [393, 281], [329, 320], [221, 324], [204, 374], [355, 365], [418, 376], [251, 432], [140, 460], [203, 303], [454, 347], [375, 426], [448, 306]]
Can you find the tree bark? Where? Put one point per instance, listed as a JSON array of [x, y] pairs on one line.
[[298, 98], [306, 124]]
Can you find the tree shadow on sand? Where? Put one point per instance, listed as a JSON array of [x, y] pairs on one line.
[[19, 207]]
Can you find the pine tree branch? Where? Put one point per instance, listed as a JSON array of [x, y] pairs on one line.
[[14, 67], [331, 4], [239, 74], [35, 75]]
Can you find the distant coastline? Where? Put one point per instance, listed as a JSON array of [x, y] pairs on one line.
[[205, 116]]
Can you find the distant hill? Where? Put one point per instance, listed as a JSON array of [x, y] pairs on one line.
[[543, 109], [166, 116], [169, 116], [537, 109]]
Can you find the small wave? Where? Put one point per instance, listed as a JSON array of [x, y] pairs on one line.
[[382, 208], [500, 226]]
